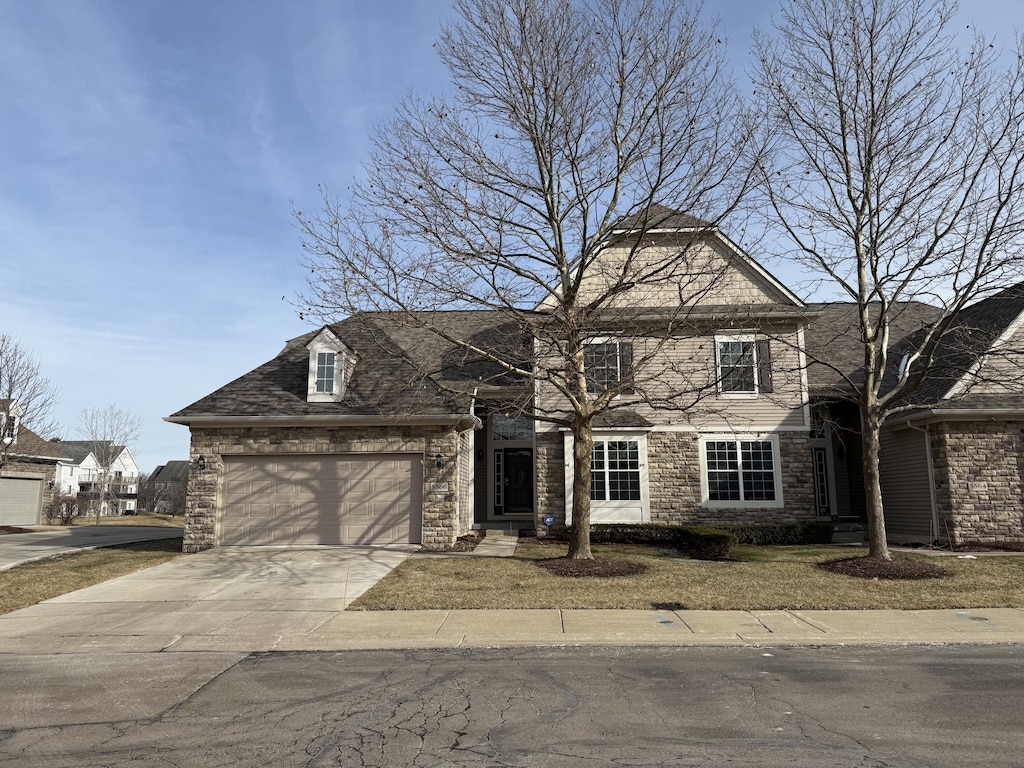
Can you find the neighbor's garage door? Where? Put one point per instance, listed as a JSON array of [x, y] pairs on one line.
[[20, 500], [350, 499]]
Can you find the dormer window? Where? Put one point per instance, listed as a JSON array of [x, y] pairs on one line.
[[325, 372], [330, 367], [9, 425]]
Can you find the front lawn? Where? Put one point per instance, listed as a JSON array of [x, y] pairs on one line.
[[143, 518], [766, 578], [31, 583]]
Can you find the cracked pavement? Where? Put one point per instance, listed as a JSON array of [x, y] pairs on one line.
[[863, 707]]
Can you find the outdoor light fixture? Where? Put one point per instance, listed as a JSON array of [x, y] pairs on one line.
[[201, 463], [439, 461]]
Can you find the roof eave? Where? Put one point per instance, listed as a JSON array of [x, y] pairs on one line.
[[934, 415], [459, 420]]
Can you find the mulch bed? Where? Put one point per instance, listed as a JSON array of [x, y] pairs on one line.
[[14, 529], [599, 567], [1004, 546], [877, 568], [466, 543]]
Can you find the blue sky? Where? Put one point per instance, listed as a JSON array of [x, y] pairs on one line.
[[150, 153]]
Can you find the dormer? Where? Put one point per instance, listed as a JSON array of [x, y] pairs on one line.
[[10, 416], [330, 368]]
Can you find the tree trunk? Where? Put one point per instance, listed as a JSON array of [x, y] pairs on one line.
[[871, 425], [103, 496], [582, 451]]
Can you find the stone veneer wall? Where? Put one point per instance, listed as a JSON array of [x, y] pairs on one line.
[[441, 520], [978, 488], [673, 462], [17, 467], [549, 478]]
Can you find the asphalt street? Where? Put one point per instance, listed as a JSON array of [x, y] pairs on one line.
[[864, 707]]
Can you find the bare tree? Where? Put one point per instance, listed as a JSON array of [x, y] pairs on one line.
[[21, 379], [108, 431], [573, 128], [897, 174]]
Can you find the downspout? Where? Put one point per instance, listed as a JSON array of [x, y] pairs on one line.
[[931, 479]]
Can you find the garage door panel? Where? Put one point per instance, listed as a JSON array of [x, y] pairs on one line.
[[327, 499], [20, 500]]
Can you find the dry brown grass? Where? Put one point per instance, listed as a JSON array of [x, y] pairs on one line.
[[163, 521], [32, 583], [767, 578]]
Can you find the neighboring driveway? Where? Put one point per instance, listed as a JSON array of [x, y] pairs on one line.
[[230, 598], [17, 548]]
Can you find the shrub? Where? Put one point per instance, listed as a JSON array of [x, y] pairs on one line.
[[706, 543], [782, 534]]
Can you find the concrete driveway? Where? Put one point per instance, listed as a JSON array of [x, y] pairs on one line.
[[224, 598], [58, 540]]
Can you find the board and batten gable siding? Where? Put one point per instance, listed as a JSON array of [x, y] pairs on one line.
[[906, 486], [696, 272]]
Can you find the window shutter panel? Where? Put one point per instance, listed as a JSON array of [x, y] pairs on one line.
[[626, 367], [763, 350]]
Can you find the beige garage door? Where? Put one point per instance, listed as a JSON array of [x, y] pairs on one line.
[[305, 500], [20, 500]]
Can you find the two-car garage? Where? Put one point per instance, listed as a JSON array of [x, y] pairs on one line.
[[314, 499]]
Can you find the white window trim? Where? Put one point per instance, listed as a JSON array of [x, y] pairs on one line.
[[735, 336], [611, 506], [327, 343], [777, 503]]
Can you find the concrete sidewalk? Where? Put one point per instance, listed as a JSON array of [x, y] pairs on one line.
[[49, 541], [266, 599], [87, 626]]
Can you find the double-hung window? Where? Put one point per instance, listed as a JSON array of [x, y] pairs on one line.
[[741, 471], [743, 364], [601, 363], [325, 372], [615, 470]]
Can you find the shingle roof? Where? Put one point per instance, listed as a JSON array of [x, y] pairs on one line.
[[171, 472], [399, 370], [31, 444], [79, 450], [833, 335], [659, 217]]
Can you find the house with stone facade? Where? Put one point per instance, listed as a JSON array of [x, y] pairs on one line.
[[28, 466], [378, 430]]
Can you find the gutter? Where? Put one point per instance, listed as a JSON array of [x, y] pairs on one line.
[[459, 420], [932, 415]]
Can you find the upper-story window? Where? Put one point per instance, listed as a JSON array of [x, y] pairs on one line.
[[743, 364], [607, 364], [330, 367], [9, 425], [325, 371]]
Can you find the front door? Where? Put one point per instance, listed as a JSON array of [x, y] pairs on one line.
[[514, 470]]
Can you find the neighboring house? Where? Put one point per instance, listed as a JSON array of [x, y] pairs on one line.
[[954, 469], [168, 484], [28, 466], [80, 475], [341, 439]]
